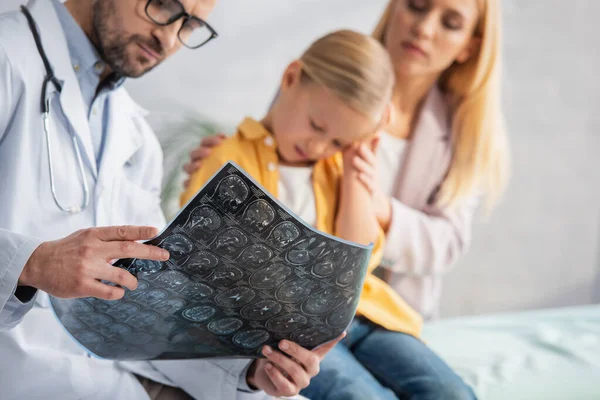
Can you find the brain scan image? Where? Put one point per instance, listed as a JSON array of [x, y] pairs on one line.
[[199, 313], [225, 275], [201, 262], [81, 307], [284, 234], [270, 277], [233, 192], [125, 310], [172, 279], [196, 291], [251, 339], [143, 319], [255, 255], [89, 337], [203, 221], [170, 306], [96, 320], [287, 323], [343, 314], [296, 290], [243, 272], [310, 337], [322, 302], [115, 331], [155, 295], [258, 215], [145, 267], [261, 310], [177, 245], [323, 269], [236, 297], [230, 241], [306, 251], [225, 326]]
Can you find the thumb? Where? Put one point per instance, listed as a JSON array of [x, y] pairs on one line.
[[322, 351]]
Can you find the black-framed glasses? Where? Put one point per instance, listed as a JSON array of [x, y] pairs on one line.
[[194, 32]]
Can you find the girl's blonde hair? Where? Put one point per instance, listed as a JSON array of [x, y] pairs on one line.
[[480, 145], [354, 67]]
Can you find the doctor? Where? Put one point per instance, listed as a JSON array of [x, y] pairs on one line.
[[76, 153]]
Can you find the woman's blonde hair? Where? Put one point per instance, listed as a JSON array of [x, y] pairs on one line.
[[354, 67], [480, 146]]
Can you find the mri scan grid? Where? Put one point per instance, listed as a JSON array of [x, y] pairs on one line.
[[244, 272]]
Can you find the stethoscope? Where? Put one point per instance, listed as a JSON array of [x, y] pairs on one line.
[[46, 103]]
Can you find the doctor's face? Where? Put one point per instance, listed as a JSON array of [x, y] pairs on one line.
[[131, 43]]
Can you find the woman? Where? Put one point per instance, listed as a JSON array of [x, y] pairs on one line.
[[445, 146]]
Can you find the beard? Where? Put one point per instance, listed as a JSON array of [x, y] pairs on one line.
[[112, 42]]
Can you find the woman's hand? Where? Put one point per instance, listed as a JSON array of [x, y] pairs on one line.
[[285, 375], [200, 153], [364, 164]]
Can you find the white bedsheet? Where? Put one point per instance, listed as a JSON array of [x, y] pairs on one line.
[[546, 354]]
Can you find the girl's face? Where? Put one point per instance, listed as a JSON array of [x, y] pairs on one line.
[[310, 123], [425, 37]]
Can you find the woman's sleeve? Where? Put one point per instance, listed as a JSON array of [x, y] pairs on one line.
[[429, 241]]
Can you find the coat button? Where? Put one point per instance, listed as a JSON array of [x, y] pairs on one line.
[[269, 141], [271, 166], [99, 67]]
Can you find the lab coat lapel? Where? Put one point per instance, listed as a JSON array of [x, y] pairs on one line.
[[71, 100], [124, 137]]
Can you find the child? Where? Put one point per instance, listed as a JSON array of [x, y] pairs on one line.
[[334, 98]]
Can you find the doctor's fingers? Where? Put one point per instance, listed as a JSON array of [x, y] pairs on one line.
[[118, 276], [282, 384], [121, 233], [103, 291], [127, 249], [294, 372]]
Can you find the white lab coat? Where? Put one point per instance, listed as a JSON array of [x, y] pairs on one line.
[[38, 359]]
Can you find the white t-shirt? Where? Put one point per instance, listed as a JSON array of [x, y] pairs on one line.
[[296, 186], [390, 156], [297, 193]]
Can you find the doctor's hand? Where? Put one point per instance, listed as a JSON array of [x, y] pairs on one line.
[[75, 265], [286, 375], [200, 153]]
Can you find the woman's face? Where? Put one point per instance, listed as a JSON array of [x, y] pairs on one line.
[[310, 123], [425, 37]]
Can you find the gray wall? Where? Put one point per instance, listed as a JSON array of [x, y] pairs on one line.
[[541, 247]]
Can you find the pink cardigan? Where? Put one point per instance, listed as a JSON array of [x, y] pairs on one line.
[[424, 241]]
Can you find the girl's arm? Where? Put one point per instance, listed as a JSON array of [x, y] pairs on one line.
[[356, 219]]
